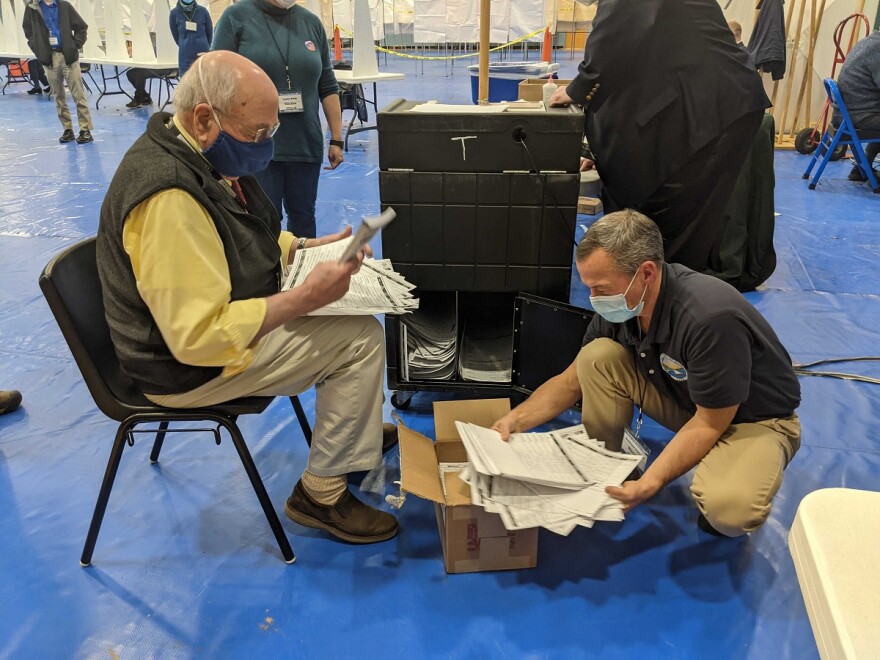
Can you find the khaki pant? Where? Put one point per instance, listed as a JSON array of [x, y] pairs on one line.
[[734, 484], [343, 357], [57, 74]]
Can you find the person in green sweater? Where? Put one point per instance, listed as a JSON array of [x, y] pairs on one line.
[[289, 43]]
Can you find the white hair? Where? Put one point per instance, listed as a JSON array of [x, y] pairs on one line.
[[213, 84]]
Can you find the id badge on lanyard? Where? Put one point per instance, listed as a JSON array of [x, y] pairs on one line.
[[53, 41], [632, 445], [290, 102]]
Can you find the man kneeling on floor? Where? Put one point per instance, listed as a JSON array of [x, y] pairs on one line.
[[189, 254], [697, 357]]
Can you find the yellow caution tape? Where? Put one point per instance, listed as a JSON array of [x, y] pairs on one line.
[[446, 57]]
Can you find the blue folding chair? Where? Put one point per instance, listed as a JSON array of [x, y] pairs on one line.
[[845, 134]]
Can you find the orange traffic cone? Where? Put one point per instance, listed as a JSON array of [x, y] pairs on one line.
[[547, 48], [337, 44]]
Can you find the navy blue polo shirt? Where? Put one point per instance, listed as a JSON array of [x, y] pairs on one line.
[[708, 346]]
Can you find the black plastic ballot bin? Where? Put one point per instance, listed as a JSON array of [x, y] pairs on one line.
[[486, 207]]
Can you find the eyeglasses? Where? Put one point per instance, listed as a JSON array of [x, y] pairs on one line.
[[256, 135]]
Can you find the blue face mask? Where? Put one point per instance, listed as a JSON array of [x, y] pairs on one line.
[[614, 308], [234, 158], [186, 2]]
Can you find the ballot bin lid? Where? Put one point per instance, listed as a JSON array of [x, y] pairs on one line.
[[547, 336]]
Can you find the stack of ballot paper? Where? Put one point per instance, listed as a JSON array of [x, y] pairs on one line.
[[554, 480], [428, 339], [374, 289]]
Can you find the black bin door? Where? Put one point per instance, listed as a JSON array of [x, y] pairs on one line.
[[547, 338]]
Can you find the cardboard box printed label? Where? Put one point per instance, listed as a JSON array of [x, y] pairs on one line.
[[471, 538]]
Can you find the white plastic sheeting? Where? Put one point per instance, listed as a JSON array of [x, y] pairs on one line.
[[117, 21], [453, 21]]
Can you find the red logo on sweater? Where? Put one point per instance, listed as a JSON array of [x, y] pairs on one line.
[[310, 46]]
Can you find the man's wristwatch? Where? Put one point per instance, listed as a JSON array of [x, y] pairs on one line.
[[301, 243], [337, 143]]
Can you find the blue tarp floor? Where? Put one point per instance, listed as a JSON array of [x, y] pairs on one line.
[[186, 566]]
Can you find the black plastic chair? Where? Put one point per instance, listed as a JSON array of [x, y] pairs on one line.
[[72, 288]]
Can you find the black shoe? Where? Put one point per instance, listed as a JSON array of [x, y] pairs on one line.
[[139, 102], [66, 136], [35, 90], [349, 519], [389, 437], [84, 136], [703, 524], [856, 174], [9, 401], [47, 89]]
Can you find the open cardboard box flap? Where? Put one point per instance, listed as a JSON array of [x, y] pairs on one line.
[[420, 458]]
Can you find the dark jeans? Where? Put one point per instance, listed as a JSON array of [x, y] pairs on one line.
[[296, 186], [37, 73], [689, 206], [138, 79], [868, 121]]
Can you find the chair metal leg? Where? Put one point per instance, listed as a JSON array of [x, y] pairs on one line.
[[104, 494], [157, 445], [257, 483], [303, 420], [829, 150]]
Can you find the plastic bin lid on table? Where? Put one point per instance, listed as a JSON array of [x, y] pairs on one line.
[[517, 70]]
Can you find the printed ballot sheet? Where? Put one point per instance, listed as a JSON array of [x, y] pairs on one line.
[[374, 289], [565, 459], [554, 480]]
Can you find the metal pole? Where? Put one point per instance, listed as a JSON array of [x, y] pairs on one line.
[[483, 95]]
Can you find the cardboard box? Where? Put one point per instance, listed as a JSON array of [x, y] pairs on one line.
[[532, 89], [589, 205], [472, 539]]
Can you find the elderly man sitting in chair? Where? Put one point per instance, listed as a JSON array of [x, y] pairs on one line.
[[190, 253]]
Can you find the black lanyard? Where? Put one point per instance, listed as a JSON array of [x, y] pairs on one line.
[[281, 54], [642, 390]]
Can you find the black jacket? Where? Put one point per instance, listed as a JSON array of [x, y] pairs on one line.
[[73, 32], [767, 43], [660, 80]]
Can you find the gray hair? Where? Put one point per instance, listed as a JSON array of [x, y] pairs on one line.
[[629, 238], [217, 83]]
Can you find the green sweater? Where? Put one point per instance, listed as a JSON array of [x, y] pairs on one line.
[[268, 36]]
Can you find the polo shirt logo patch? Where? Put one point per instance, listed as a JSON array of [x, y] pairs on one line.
[[673, 368], [310, 46]]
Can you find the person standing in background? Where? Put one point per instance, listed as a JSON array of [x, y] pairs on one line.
[[192, 29], [55, 33], [289, 43]]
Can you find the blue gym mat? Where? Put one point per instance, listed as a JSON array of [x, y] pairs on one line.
[[186, 566]]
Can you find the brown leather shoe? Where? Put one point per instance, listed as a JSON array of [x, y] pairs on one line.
[[389, 437], [9, 401], [349, 519]]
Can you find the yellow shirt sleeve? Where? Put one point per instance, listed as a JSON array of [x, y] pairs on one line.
[[181, 273], [285, 241]]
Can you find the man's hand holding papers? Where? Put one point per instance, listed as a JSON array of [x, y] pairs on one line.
[[373, 289], [555, 480]]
